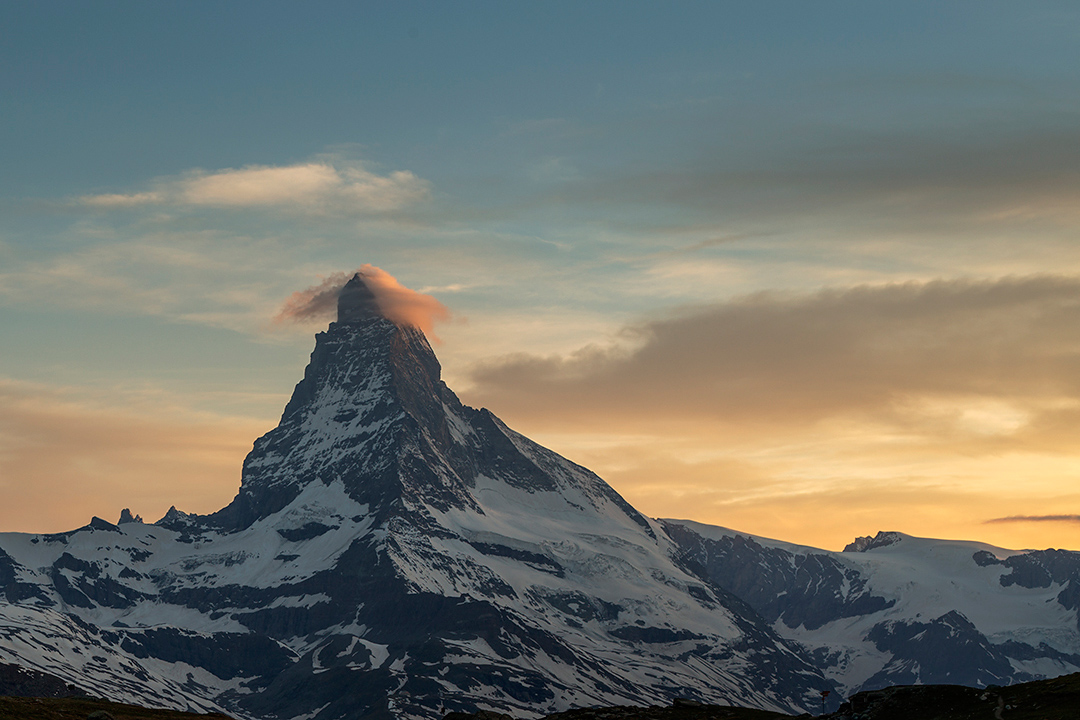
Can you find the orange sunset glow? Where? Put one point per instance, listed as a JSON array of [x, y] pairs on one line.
[[807, 272]]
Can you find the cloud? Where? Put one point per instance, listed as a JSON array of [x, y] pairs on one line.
[[397, 302], [1035, 519], [915, 181], [317, 303], [115, 200], [257, 185], [312, 186], [202, 277], [782, 485], [983, 359]]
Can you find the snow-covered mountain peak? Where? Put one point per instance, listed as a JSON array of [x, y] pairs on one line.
[[370, 387], [896, 608], [392, 552]]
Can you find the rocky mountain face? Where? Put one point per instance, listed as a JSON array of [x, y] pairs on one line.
[[392, 553], [18, 681], [899, 610]]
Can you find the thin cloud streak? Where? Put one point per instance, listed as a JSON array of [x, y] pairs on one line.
[[313, 186], [1035, 519]]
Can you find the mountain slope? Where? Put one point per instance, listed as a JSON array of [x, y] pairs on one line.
[[896, 609], [390, 553]]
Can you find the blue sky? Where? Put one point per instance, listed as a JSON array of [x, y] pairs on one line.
[[578, 183]]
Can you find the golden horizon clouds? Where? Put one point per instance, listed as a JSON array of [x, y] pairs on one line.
[[312, 186], [823, 492], [962, 394], [397, 302], [984, 357]]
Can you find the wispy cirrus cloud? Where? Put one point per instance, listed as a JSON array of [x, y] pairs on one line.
[[120, 200], [313, 186], [916, 181], [1034, 519]]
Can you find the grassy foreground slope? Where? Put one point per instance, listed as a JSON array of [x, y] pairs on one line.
[[1057, 699], [19, 708]]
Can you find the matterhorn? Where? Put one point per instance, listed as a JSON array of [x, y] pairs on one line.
[[392, 553]]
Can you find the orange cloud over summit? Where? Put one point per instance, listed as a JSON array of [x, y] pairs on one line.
[[397, 302]]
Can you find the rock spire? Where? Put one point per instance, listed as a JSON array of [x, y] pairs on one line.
[[356, 302]]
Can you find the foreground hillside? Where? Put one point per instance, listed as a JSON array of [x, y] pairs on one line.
[[17, 708], [1057, 699]]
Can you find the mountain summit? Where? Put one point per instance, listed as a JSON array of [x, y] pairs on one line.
[[392, 553], [356, 302], [371, 388]]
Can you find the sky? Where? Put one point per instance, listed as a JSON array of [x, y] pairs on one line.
[[804, 270]]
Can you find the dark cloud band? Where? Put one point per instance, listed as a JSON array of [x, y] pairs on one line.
[[991, 356], [1034, 518]]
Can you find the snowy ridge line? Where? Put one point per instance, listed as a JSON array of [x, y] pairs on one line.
[[897, 609]]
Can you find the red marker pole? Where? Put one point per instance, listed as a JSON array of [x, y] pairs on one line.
[[824, 694]]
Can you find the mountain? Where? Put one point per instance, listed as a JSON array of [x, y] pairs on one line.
[[899, 610], [16, 681], [391, 553]]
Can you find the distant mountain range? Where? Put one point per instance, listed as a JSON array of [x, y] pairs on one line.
[[900, 610], [394, 553]]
